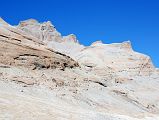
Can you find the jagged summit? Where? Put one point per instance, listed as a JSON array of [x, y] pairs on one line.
[[44, 75], [45, 31], [101, 53], [70, 38]]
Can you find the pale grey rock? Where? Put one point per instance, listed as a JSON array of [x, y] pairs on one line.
[[97, 43], [70, 38], [44, 31], [97, 82], [118, 56]]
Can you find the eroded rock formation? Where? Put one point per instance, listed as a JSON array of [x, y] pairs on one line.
[[44, 75], [18, 50]]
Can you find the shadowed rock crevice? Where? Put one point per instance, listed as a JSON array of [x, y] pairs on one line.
[[100, 83]]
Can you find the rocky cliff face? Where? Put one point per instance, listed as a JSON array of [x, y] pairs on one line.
[[44, 75], [18, 49]]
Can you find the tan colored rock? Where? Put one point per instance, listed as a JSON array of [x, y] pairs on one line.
[[70, 38], [43, 31], [19, 51], [119, 57]]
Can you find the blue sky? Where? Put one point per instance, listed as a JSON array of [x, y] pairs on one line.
[[91, 20]]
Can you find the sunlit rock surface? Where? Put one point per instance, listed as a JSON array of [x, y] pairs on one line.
[[47, 76]]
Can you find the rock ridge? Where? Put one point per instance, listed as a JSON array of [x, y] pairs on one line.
[[44, 75]]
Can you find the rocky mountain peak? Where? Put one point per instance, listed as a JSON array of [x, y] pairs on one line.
[[43, 31], [127, 45], [70, 38]]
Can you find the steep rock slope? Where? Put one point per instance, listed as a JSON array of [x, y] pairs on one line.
[[18, 49], [44, 75], [119, 56]]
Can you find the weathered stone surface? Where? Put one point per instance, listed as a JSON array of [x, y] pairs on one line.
[[118, 57], [16, 50], [70, 38], [44, 32], [44, 75]]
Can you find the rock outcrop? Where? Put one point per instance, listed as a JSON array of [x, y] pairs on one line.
[[44, 75], [44, 32], [70, 38], [18, 50]]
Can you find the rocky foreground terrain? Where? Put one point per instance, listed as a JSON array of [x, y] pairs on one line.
[[47, 76]]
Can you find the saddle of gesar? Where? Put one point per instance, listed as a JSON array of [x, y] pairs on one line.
[[47, 76]]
